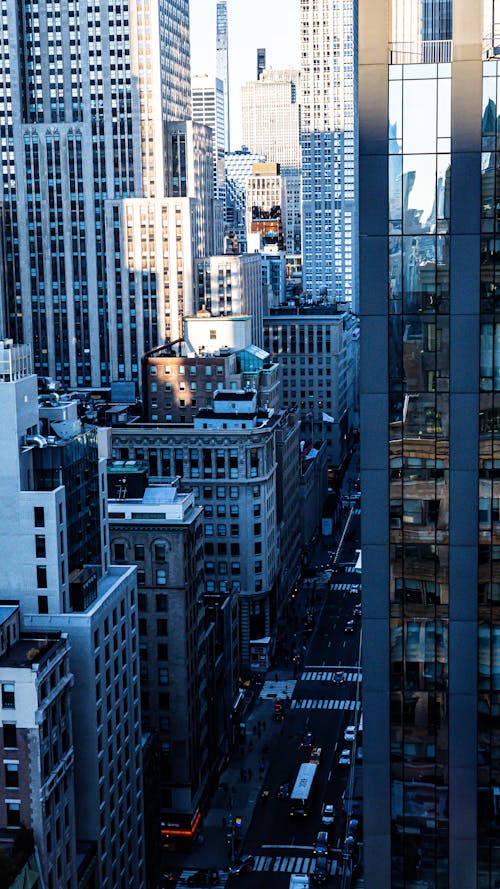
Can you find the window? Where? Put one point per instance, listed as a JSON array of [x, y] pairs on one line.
[[13, 811], [11, 774], [160, 552], [209, 530], [9, 735], [138, 553], [161, 576], [162, 627], [235, 567], [162, 651], [161, 602], [39, 517], [41, 577], [163, 676], [235, 530], [119, 552], [8, 696], [221, 530], [141, 577], [43, 604], [234, 493], [234, 510], [40, 546]]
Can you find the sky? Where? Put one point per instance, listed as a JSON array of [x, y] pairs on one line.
[[273, 24]]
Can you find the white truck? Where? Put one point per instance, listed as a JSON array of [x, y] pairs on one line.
[[299, 881]]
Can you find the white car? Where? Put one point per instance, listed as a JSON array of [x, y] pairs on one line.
[[354, 589], [328, 814], [345, 758], [349, 733]]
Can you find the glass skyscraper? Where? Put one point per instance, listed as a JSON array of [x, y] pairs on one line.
[[430, 371]]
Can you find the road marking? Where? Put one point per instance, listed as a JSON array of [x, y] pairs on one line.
[[327, 675], [325, 704]]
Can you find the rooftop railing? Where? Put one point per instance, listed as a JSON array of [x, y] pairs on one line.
[[423, 52]]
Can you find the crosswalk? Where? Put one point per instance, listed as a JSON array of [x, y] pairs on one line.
[[356, 511], [350, 569], [314, 704], [289, 864], [343, 587], [327, 676]]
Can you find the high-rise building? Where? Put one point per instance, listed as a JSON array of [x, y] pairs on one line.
[[222, 62], [270, 117], [261, 61], [266, 205], [270, 109], [85, 140], [207, 95], [55, 565], [430, 371], [329, 147], [238, 169]]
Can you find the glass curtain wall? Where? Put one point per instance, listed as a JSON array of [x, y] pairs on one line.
[[489, 493], [419, 325]]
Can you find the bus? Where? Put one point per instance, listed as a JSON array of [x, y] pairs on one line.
[[300, 797]]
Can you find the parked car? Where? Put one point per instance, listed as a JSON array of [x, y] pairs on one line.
[[328, 814], [243, 865], [350, 733], [283, 790], [345, 758], [338, 677]]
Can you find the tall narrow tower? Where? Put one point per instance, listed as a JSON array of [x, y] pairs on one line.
[[222, 68], [430, 420], [328, 33]]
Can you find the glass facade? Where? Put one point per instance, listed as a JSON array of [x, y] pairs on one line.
[[419, 373], [489, 492]]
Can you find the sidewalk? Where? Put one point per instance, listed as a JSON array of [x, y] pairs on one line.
[[234, 796]]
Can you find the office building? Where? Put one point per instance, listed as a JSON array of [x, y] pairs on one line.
[[85, 140], [238, 169], [36, 746], [232, 286], [270, 109], [270, 117], [222, 63], [329, 148], [158, 528], [227, 455], [207, 95], [429, 420], [315, 347], [266, 205], [55, 566]]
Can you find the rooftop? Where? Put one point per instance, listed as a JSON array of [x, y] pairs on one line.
[[29, 650]]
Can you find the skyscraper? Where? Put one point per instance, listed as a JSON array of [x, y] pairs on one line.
[[270, 109], [85, 113], [222, 66], [430, 374], [208, 108], [329, 147]]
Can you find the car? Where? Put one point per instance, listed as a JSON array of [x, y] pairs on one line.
[[319, 875], [350, 733], [357, 611], [353, 589], [338, 677], [167, 879], [315, 756], [283, 790], [345, 757], [348, 847], [353, 827], [307, 741], [203, 878], [321, 844], [328, 814], [349, 627], [279, 712], [243, 865]]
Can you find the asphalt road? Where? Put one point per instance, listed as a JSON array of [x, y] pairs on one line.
[[283, 845]]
